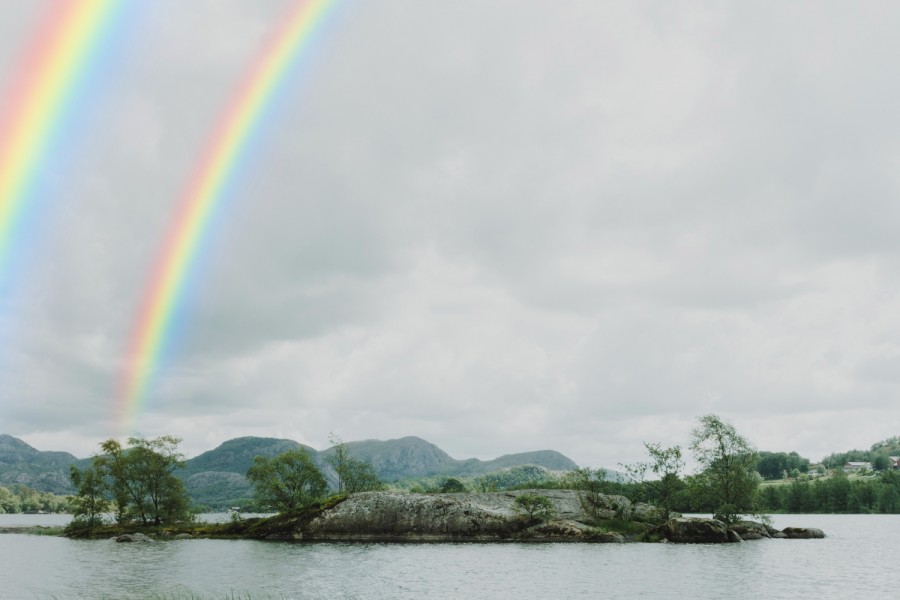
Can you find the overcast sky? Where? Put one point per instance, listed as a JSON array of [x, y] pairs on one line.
[[498, 225]]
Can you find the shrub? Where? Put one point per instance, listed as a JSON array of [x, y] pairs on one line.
[[536, 507]]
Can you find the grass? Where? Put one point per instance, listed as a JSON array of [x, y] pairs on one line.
[[780, 482], [622, 526], [34, 530], [280, 526]]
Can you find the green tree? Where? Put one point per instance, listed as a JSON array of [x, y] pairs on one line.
[[141, 481], [666, 485], [881, 462], [771, 465], [287, 482], [338, 459], [452, 486], [360, 476], [354, 475], [9, 502], [89, 502], [727, 485], [535, 506], [590, 484]]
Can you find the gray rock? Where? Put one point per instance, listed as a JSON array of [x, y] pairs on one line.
[[558, 530], [608, 537], [693, 530], [447, 517], [734, 537], [184, 536], [802, 533], [133, 537], [751, 530]]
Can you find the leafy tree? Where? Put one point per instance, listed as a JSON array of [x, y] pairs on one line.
[[590, 484], [141, 479], [453, 486], [728, 482], [666, 465], [338, 459], [360, 476], [9, 502], [535, 506], [89, 502], [354, 475], [881, 462], [288, 481], [889, 499], [774, 465]]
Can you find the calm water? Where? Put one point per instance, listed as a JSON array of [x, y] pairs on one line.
[[854, 561]]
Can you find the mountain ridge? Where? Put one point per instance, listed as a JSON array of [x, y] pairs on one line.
[[216, 477]]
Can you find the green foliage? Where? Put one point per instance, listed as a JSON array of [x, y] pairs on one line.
[[287, 482], [666, 487], [591, 484], [536, 507], [354, 475], [22, 499], [888, 447], [727, 485], [520, 477], [881, 462], [360, 476], [774, 465], [141, 482], [835, 494], [89, 502], [453, 486]]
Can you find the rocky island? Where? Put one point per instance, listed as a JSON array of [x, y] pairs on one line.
[[487, 517]]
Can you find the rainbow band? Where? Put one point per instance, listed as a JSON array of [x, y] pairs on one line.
[[204, 195], [33, 115]]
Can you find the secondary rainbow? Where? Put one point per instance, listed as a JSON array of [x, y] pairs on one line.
[[204, 195], [36, 109]]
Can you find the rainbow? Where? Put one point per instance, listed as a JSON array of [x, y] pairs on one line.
[[203, 198], [39, 104]]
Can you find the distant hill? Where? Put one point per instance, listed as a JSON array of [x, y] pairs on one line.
[[236, 455], [414, 457], [216, 477], [43, 471], [405, 457]]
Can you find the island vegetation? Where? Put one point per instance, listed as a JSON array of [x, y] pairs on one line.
[[138, 484], [139, 487]]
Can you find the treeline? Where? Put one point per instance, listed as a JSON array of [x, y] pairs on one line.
[[778, 465], [21, 499], [137, 483], [878, 455], [835, 494]]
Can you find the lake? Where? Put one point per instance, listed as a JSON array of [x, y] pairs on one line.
[[855, 560]]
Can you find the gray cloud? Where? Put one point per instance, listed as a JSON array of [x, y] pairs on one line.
[[499, 226]]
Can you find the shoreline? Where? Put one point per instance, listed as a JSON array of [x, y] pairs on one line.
[[491, 517]]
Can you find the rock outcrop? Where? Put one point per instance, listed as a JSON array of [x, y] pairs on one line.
[[391, 516], [694, 530], [133, 537], [802, 533], [712, 531], [751, 530]]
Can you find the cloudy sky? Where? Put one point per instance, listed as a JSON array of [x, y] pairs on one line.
[[497, 225]]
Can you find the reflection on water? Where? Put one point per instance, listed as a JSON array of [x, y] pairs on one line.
[[52, 520], [852, 561]]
